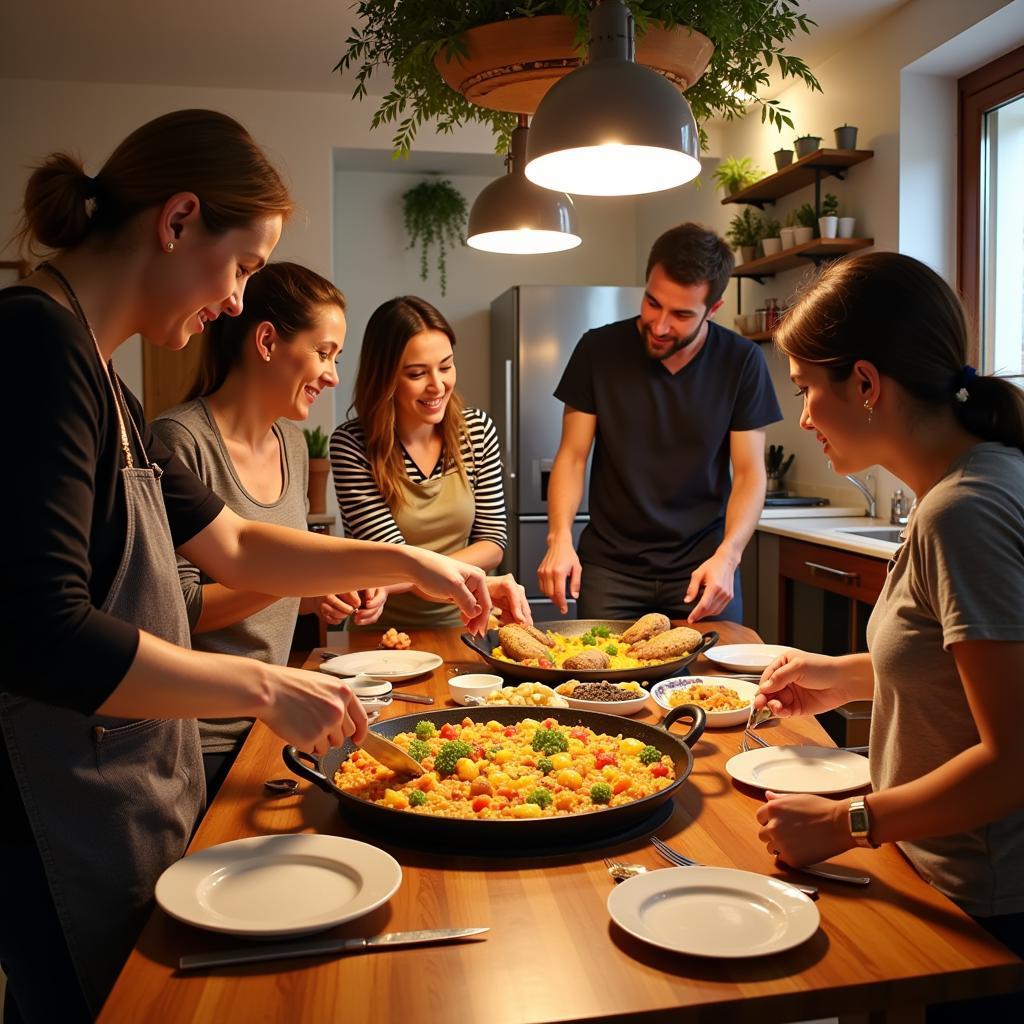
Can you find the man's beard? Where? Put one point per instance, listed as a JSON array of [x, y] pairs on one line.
[[676, 346]]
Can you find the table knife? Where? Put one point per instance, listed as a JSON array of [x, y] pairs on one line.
[[321, 947]]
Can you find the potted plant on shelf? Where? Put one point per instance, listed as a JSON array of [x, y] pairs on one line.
[[828, 222], [435, 214], [806, 145], [846, 136], [409, 39], [846, 226], [771, 242], [783, 158], [806, 221], [788, 231], [735, 173], [319, 468], [746, 229]]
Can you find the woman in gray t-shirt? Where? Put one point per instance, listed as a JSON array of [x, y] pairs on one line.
[[260, 370], [878, 350]]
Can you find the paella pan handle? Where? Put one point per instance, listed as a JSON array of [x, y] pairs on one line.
[[471, 642], [700, 719], [709, 640], [294, 758]]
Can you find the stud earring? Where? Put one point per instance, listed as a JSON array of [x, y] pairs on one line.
[[266, 358], [170, 247]]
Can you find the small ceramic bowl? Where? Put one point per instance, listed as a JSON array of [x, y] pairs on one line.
[[662, 693], [473, 685]]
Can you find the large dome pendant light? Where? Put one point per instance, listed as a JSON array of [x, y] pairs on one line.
[[514, 216], [612, 127]]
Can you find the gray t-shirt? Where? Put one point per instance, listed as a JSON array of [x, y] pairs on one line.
[[958, 576], [190, 431]]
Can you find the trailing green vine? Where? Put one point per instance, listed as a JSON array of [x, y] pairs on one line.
[[435, 214]]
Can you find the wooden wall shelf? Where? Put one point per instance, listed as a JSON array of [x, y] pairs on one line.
[[807, 171], [814, 251]]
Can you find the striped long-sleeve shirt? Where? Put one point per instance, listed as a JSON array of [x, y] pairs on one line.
[[364, 514]]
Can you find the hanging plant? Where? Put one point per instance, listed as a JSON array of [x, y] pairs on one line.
[[435, 214]]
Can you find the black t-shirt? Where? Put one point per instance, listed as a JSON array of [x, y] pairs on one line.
[[63, 515], [660, 478]]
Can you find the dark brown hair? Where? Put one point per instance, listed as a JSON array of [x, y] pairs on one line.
[[690, 254], [288, 296], [198, 151], [390, 328], [895, 312]]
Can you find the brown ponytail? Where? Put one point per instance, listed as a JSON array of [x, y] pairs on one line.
[[198, 151], [288, 296], [895, 312]]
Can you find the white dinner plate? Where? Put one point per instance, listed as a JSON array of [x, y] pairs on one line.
[[393, 665], [278, 885], [661, 692], [745, 657], [715, 912], [796, 769]]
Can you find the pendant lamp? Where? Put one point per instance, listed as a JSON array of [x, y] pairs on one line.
[[612, 127], [514, 216]]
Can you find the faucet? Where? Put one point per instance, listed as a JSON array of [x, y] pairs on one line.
[[872, 504]]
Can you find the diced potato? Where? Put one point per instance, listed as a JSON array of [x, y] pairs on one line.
[[466, 769], [526, 811], [560, 760], [395, 799], [570, 778], [502, 756], [631, 745]]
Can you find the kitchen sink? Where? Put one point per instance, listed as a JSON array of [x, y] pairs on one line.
[[889, 534]]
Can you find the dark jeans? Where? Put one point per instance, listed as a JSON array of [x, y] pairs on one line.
[[216, 768], [42, 986], [607, 594]]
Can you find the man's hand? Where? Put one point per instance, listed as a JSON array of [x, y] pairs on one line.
[[560, 562], [716, 577]]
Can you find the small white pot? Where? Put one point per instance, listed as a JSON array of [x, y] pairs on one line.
[[771, 246], [801, 235], [828, 226], [846, 226], [786, 236]]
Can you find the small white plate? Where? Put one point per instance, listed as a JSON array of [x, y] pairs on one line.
[[716, 719], [393, 665], [713, 912], [746, 657], [609, 707], [278, 885], [820, 770]]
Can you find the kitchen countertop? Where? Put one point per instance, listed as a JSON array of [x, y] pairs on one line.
[[831, 531]]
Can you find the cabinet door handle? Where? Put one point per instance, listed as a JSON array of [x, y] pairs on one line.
[[829, 571]]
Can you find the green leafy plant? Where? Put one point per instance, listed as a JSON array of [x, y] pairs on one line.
[[806, 217], [316, 443], [746, 228], [830, 205], [734, 173], [404, 37], [771, 228], [435, 214]]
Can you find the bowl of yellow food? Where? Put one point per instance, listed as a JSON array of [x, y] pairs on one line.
[[726, 701]]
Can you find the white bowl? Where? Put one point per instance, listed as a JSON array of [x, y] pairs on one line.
[[478, 684], [716, 719], [608, 707]]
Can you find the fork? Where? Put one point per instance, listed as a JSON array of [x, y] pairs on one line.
[[754, 719], [620, 870], [674, 857]]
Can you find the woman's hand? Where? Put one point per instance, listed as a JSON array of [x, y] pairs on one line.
[[373, 604], [510, 597], [440, 578], [332, 608], [311, 710], [798, 683], [801, 829]]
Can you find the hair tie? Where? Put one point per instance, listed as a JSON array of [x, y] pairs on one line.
[[92, 187], [964, 377]]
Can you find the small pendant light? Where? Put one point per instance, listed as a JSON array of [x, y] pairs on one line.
[[612, 127], [514, 216]]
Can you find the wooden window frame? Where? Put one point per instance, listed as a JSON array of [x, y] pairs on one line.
[[987, 87]]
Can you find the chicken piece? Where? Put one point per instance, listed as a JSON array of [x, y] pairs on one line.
[[519, 645], [672, 644], [538, 635], [645, 627], [586, 661]]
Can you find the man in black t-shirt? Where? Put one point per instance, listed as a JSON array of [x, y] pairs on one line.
[[671, 400]]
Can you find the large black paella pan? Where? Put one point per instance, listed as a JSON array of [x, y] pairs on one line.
[[499, 835]]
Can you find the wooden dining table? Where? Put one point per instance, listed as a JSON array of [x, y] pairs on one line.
[[552, 953]]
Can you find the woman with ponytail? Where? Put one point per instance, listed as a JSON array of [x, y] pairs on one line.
[[101, 778], [878, 351], [260, 370]]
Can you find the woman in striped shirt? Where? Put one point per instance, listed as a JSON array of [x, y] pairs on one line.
[[414, 466]]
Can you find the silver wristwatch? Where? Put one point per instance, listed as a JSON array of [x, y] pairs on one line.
[[860, 823]]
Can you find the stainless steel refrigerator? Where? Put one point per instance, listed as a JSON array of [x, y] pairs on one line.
[[534, 329]]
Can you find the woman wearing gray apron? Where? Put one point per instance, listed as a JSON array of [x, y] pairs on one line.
[[100, 778], [414, 467]]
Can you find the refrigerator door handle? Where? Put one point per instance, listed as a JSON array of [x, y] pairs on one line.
[[510, 461]]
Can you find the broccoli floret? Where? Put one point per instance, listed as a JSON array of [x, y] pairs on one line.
[[450, 752], [418, 750], [544, 766], [611, 649], [550, 741], [417, 798], [600, 793], [649, 755], [588, 640], [425, 730], [540, 797], [602, 631]]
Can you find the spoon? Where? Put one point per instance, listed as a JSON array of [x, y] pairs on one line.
[[391, 755]]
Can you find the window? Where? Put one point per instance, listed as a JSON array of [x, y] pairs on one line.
[[991, 214]]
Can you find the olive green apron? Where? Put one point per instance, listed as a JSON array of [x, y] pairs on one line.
[[436, 514]]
